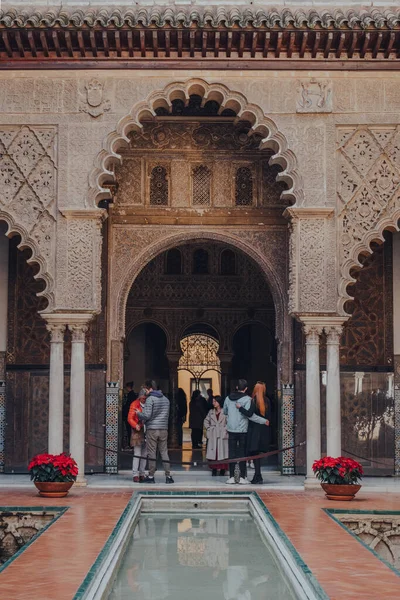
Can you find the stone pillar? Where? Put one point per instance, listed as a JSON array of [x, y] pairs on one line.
[[313, 404], [4, 243], [333, 409], [77, 395], [226, 365], [56, 385], [173, 361]]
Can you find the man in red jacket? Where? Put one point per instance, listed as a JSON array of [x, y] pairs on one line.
[[137, 440]]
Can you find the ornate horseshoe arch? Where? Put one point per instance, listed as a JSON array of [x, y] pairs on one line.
[[261, 124]]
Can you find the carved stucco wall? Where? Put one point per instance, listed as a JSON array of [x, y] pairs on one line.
[[84, 109], [28, 189], [368, 162]]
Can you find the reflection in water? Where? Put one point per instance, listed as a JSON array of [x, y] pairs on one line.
[[212, 557]]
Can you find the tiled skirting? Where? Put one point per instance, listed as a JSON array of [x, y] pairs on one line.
[[112, 409], [2, 422]]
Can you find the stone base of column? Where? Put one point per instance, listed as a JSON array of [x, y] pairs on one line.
[[311, 483], [81, 481]]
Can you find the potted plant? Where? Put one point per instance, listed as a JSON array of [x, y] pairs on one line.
[[338, 476], [53, 474]]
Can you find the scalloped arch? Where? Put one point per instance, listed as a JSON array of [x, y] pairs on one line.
[[260, 123], [388, 222], [36, 257]]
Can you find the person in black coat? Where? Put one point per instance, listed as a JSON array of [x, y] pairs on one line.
[[258, 436], [181, 402], [198, 409]]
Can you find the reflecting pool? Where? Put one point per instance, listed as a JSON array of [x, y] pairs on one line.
[[208, 557]]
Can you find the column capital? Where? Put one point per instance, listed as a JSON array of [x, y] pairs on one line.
[[78, 325], [173, 357], [57, 331], [78, 331], [333, 334], [312, 332]]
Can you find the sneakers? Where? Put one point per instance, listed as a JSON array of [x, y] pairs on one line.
[[230, 481], [250, 464], [169, 479], [244, 481], [136, 479], [148, 479]]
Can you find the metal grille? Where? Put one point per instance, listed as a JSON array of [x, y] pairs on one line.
[[159, 186], [199, 354], [201, 186], [244, 187]]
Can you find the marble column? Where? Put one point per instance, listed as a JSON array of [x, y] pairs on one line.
[[4, 244], [333, 409], [77, 398], [56, 387], [313, 404]]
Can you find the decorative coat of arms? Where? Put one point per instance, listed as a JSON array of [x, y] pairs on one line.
[[93, 101], [314, 96]]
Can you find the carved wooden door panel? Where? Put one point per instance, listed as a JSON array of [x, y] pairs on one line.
[[95, 420], [26, 417]]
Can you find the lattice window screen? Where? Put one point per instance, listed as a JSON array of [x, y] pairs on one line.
[[201, 186], [159, 186], [244, 187]]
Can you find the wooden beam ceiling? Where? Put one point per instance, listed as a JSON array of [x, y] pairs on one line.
[[199, 47]]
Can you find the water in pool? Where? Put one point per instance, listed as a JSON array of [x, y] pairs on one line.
[[204, 558]]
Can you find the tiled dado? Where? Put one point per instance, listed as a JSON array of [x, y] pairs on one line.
[[2, 422]]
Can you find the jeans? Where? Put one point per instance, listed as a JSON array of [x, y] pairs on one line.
[[157, 439], [237, 449], [139, 464]]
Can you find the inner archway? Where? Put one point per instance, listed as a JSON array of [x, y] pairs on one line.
[[198, 309]]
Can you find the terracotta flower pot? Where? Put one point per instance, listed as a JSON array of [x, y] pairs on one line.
[[334, 491], [53, 489]]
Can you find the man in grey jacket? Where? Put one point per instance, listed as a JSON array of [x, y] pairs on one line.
[[237, 425], [155, 415]]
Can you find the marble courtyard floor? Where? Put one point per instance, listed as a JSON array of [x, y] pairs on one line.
[[57, 562]]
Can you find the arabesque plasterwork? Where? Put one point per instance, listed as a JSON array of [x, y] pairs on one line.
[[28, 193], [368, 193]]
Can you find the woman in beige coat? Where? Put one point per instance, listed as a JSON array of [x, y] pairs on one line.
[[217, 437]]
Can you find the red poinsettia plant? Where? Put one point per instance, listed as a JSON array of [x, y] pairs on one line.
[[53, 467], [341, 470]]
